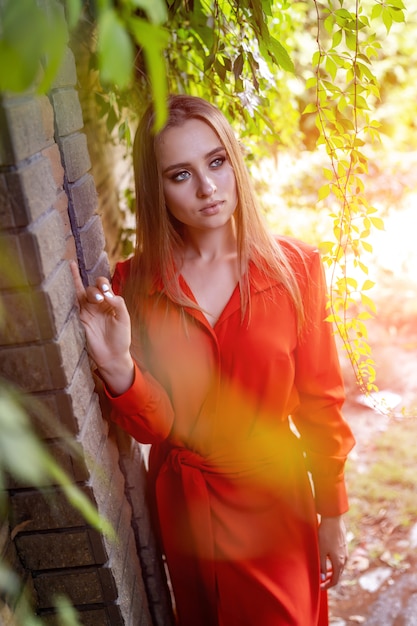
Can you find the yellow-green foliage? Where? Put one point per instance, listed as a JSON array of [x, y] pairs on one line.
[[346, 89]]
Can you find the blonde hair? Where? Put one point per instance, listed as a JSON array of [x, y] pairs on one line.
[[158, 233]]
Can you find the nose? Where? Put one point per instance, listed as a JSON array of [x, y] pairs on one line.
[[206, 187]]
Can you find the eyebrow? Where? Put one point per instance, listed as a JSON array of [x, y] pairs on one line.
[[176, 166]]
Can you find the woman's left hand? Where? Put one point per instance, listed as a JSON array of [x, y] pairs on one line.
[[333, 550]]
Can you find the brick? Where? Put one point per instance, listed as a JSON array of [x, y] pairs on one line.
[[109, 496], [75, 155], [42, 246], [59, 550], [51, 415], [102, 458], [6, 213], [58, 295], [101, 616], [69, 456], [27, 367], [89, 586], [53, 155], [70, 253], [31, 191], [84, 199], [44, 367], [67, 108], [61, 207], [67, 73], [101, 268], [47, 114], [19, 320], [64, 412], [127, 574], [46, 510], [29, 257], [84, 401], [92, 241], [29, 121], [12, 270], [6, 151], [64, 354], [31, 315]]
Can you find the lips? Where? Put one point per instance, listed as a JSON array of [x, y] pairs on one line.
[[212, 208]]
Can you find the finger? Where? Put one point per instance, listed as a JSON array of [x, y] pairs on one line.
[[78, 283], [94, 295], [101, 291], [103, 284], [323, 565], [333, 573]]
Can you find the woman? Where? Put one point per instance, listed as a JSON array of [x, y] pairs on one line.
[[219, 356]]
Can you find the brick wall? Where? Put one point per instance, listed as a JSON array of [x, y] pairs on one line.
[[48, 204]]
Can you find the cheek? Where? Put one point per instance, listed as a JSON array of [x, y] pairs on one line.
[[172, 197], [231, 184]]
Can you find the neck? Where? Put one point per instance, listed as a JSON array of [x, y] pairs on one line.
[[210, 245]]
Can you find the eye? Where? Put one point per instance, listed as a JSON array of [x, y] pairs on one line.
[[217, 162], [180, 176]]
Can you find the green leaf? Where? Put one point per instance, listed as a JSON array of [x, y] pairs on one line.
[[28, 37], [376, 10], [67, 615], [115, 50], [330, 66], [326, 246], [378, 223], [20, 452], [156, 10], [73, 10], [238, 66], [387, 19], [280, 55], [397, 15], [324, 191], [367, 246], [337, 38], [310, 108], [329, 23], [352, 282], [366, 301], [316, 59], [154, 40], [351, 40]]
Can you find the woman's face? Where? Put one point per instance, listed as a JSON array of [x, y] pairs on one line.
[[198, 181]]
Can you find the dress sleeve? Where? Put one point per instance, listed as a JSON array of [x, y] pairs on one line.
[[144, 410], [325, 436]]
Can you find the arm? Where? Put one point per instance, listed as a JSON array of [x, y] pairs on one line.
[[326, 437], [106, 323], [140, 404], [333, 549]]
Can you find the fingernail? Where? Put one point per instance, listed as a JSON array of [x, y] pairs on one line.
[[323, 577], [105, 287], [99, 297], [109, 294]]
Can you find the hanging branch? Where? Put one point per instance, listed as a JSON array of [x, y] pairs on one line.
[[345, 91]]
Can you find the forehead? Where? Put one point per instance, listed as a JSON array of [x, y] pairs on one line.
[[192, 140]]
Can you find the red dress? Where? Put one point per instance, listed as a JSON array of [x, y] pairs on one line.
[[237, 516]]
